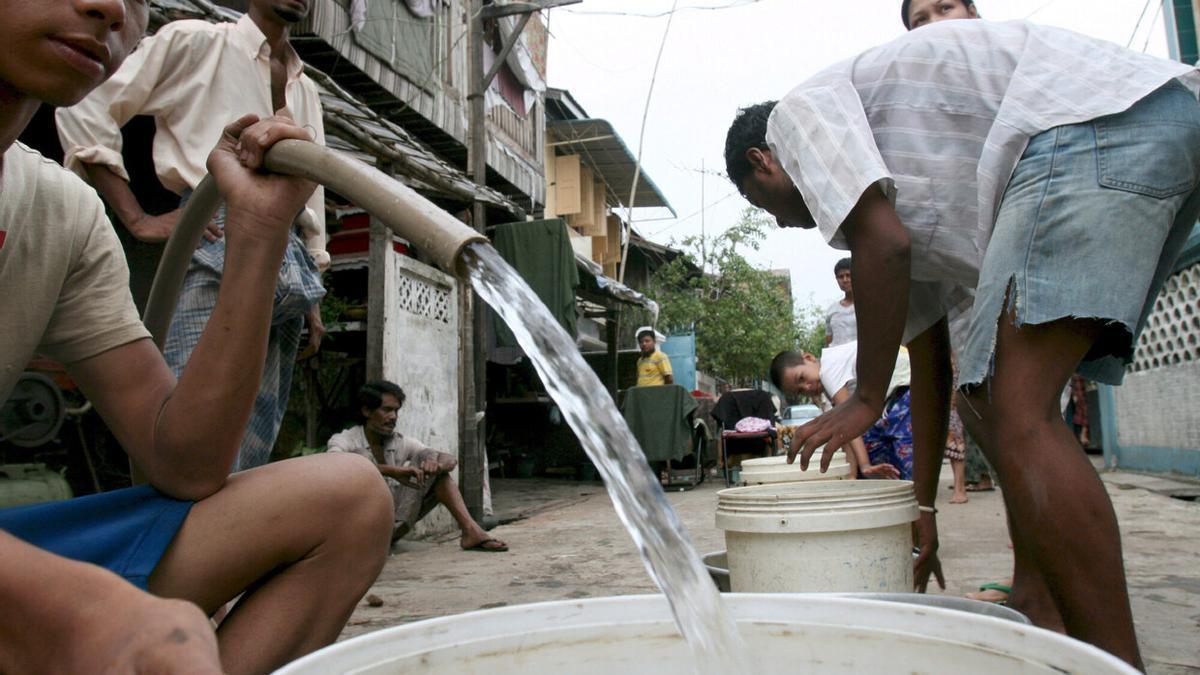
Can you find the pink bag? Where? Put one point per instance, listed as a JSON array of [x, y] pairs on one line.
[[748, 425]]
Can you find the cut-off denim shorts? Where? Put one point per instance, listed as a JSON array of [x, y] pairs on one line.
[[1090, 226]]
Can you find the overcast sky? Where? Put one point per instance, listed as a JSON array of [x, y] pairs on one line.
[[738, 52]]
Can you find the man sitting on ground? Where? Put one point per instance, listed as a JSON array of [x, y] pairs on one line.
[[418, 476], [299, 541], [653, 366]]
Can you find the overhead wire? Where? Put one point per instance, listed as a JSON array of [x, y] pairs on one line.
[[637, 168], [679, 221], [659, 15], [1136, 26], [1150, 29], [1044, 5]]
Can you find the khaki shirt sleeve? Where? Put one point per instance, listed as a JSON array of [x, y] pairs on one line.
[[95, 311], [313, 227], [340, 442], [90, 131]]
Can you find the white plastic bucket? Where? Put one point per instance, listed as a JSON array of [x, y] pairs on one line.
[[634, 635], [770, 470], [819, 536]]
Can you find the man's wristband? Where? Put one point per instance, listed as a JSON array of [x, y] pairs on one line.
[[927, 509]]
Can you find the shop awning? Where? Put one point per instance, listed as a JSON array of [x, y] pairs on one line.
[[594, 286]]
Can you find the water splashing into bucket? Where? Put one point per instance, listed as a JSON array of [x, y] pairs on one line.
[[638, 497]]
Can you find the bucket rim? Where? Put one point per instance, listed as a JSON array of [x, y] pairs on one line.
[[775, 460], [815, 490], [816, 507], [986, 633]]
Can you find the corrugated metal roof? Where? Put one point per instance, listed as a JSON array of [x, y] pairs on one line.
[[353, 127]]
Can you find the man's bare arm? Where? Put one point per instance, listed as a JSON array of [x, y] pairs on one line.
[[413, 476], [112, 625], [880, 247], [120, 197], [116, 193], [932, 382]]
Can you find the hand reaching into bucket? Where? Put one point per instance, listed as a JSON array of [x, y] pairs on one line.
[[847, 421]]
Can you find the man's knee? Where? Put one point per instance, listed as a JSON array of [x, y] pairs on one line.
[[352, 485], [445, 481]]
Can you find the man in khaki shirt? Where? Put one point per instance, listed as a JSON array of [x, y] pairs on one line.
[[192, 77], [122, 581]]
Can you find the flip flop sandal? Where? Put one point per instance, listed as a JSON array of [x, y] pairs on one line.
[[483, 546], [1002, 588]]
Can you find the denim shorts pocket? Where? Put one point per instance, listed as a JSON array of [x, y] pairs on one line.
[[1151, 149]]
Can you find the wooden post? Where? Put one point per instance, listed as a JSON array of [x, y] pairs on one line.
[[611, 333], [473, 365], [377, 252]]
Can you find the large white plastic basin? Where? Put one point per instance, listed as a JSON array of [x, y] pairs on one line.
[[634, 635], [847, 536], [769, 470]]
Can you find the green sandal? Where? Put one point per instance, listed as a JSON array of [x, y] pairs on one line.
[[998, 587]]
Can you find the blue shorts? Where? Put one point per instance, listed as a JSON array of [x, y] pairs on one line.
[[889, 440], [124, 531], [1090, 226]]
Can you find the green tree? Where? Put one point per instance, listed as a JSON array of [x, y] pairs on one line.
[[742, 315], [810, 328]]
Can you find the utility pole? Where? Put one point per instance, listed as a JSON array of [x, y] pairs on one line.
[[703, 243], [473, 361]]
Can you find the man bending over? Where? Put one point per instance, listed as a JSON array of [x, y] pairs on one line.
[[942, 163]]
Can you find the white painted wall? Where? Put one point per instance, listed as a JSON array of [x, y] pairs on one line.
[[420, 354]]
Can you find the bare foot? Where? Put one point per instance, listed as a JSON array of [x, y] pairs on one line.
[[959, 498]]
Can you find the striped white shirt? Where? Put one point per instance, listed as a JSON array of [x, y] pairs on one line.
[[938, 120]]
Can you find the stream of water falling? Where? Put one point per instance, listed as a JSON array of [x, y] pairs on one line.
[[668, 554]]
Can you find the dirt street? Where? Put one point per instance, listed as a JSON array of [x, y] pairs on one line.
[[568, 543]]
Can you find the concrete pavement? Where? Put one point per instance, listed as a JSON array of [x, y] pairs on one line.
[[568, 543]]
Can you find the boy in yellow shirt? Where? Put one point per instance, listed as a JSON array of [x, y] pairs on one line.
[[653, 366]]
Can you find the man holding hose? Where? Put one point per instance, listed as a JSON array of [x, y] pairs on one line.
[[120, 582]]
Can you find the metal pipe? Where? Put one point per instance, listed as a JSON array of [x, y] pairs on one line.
[[398, 206], [408, 214]]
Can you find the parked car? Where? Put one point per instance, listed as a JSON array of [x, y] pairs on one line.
[[799, 414]]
